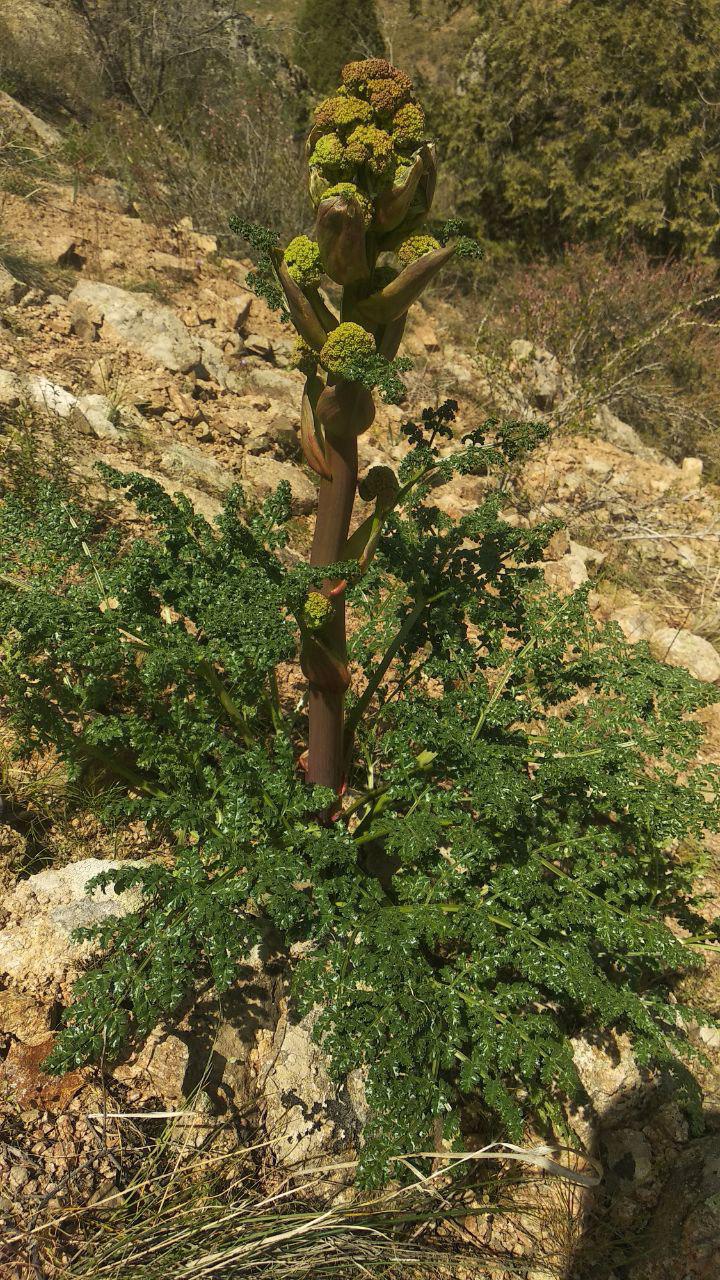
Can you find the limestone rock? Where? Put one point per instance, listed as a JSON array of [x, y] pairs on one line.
[[183, 461], [11, 290], [263, 474], [681, 648], [138, 321], [307, 1117], [36, 952], [691, 472], [565, 575], [543, 380], [159, 1067], [635, 622], [23, 1018], [11, 390], [22, 122], [622, 435], [683, 1233], [257, 344]]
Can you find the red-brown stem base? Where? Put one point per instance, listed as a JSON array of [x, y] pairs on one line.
[[335, 504], [325, 744]]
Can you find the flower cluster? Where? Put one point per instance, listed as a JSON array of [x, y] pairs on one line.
[[368, 127]]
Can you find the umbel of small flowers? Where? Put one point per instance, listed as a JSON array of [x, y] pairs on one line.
[[372, 175]]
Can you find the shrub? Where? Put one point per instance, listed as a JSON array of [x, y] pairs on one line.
[[333, 32], [596, 119]]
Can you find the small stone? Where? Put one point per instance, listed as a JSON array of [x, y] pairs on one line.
[[636, 623], [257, 344], [691, 471], [263, 475], [681, 648]]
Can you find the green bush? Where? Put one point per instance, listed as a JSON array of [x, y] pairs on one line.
[[590, 119], [510, 860], [333, 32]]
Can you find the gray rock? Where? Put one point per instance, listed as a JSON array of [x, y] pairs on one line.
[[11, 290], [49, 396], [184, 461], [36, 951], [140, 322], [11, 389], [263, 474], [681, 648], [101, 416], [278, 384]]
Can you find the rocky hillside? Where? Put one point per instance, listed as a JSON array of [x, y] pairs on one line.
[[141, 346]]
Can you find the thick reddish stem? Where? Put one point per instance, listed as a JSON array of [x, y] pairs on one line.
[[327, 684]]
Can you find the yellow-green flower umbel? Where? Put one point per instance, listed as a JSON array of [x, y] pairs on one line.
[[345, 346], [302, 258], [413, 247]]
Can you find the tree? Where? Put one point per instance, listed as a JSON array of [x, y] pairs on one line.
[[597, 119], [333, 32]]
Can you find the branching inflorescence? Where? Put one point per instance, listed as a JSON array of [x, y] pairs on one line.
[[372, 180]]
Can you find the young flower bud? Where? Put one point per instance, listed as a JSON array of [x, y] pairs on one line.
[[353, 193], [342, 112], [304, 357], [372, 147], [379, 482], [330, 156], [316, 611], [386, 96], [393, 203], [340, 230], [318, 185]]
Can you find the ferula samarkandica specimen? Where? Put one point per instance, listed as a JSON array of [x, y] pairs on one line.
[[372, 174]]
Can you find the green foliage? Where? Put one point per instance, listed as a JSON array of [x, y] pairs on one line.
[[596, 119], [511, 861], [263, 279], [333, 32]]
